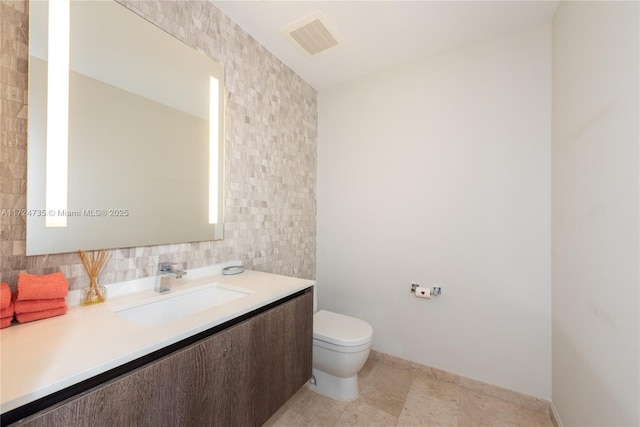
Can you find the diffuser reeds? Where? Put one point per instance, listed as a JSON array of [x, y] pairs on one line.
[[93, 263]]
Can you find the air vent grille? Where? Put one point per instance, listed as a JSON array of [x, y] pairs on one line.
[[312, 34]]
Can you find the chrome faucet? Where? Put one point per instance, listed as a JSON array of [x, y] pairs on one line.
[[165, 275]]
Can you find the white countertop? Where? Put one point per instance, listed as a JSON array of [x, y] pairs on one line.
[[45, 356]]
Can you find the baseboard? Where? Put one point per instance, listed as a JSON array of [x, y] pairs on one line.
[[553, 414], [522, 399]]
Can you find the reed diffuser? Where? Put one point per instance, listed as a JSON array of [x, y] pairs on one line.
[[93, 263]]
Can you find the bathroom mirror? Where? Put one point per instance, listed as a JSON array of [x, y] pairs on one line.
[[145, 137]]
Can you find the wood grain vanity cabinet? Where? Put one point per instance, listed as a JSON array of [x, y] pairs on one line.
[[239, 376]]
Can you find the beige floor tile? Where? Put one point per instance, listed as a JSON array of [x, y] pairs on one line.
[[529, 417], [430, 403], [477, 409], [360, 413], [288, 418], [393, 395], [367, 371], [439, 389], [520, 399], [481, 410], [273, 421], [386, 388], [317, 409]]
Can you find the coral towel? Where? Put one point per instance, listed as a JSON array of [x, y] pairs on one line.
[[5, 296], [7, 312], [37, 315], [41, 286], [5, 321], [29, 306]]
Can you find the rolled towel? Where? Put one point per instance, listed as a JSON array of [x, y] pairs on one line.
[[30, 306], [5, 296], [42, 286], [7, 312], [5, 322], [37, 315]]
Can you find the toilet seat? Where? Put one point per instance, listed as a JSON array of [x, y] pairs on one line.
[[341, 348], [341, 330]]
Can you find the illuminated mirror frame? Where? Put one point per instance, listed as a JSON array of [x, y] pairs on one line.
[[57, 159], [57, 134]]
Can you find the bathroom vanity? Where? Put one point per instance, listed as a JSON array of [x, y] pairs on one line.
[[233, 364]]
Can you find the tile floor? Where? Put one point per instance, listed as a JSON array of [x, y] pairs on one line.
[[392, 395]]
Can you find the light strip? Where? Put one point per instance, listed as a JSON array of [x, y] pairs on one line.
[[57, 113], [213, 150]]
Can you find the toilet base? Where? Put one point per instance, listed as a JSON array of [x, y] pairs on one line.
[[334, 387]]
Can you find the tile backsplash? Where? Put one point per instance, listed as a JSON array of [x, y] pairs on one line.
[[271, 132]]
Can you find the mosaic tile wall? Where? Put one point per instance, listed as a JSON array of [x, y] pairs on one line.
[[271, 124]]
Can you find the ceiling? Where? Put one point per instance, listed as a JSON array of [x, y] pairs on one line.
[[381, 34]]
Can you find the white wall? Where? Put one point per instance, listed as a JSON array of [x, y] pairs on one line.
[[439, 172], [595, 213]]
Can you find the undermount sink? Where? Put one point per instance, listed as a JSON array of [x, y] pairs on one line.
[[179, 304]]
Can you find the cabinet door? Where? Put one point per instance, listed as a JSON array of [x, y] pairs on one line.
[[238, 377], [192, 387], [280, 356]]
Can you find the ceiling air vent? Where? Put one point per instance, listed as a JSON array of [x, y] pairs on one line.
[[312, 34]]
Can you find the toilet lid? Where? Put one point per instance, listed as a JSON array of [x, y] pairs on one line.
[[340, 329]]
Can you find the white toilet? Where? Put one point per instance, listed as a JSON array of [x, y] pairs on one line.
[[341, 347]]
